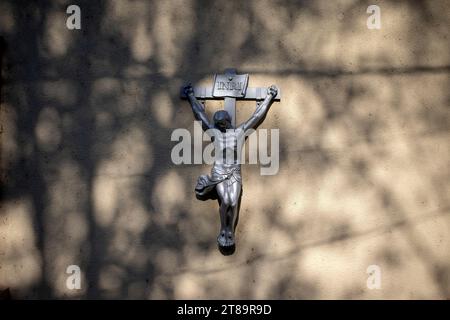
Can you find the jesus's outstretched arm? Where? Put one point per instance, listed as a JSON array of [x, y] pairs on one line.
[[260, 113], [197, 108]]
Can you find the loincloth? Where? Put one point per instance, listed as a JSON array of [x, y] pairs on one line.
[[206, 185]]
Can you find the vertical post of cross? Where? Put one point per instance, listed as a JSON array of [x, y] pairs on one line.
[[230, 102]]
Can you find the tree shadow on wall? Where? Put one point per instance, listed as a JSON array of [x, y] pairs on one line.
[[100, 74]]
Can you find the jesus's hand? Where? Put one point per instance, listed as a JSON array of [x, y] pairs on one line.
[[188, 90], [272, 90]]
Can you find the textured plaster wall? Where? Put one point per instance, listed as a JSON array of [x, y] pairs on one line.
[[87, 179]]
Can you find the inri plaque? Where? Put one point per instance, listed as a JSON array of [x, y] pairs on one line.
[[230, 85]]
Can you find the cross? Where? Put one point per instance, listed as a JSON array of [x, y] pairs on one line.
[[230, 87]]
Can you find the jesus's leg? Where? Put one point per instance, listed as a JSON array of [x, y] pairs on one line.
[[234, 192], [224, 200]]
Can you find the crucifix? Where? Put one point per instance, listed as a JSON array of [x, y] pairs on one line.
[[225, 182]]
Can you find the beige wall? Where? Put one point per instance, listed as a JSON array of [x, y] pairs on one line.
[[364, 150]]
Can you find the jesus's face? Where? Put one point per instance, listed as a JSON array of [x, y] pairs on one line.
[[222, 120]]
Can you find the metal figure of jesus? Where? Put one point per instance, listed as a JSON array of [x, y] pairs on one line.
[[225, 182]]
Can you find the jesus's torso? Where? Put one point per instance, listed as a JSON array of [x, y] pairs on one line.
[[227, 146]]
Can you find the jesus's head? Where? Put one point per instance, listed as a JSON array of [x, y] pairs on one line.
[[222, 120]]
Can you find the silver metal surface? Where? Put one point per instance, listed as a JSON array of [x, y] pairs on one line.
[[225, 182]]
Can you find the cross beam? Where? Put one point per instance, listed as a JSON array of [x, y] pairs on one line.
[[230, 87]]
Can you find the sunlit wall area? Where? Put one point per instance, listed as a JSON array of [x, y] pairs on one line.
[[360, 205]]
